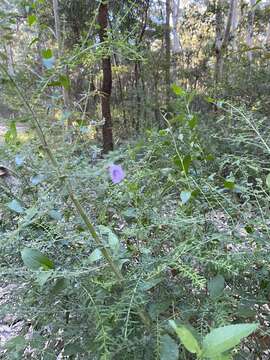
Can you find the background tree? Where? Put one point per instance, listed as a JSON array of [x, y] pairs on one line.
[[107, 79]]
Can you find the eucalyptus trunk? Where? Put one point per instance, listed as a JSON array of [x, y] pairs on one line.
[[222, 37], [167, 53], [250, 30], [235, 22], [176, 43]]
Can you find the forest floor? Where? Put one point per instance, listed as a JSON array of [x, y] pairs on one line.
[[9, 326]]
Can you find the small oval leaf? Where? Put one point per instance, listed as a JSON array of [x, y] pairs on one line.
[[15, 206], [31, 19], [185, 196], [178, 90], [228, 184], [216, 286], [35, 260], [95, 256]]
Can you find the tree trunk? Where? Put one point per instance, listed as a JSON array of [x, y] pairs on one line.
[[222, 40], [167, 53], [176, 44], [60, 49], [218, 44], [140, 90], [235, 22], [121, 93], [106, 82], [250, 30], [267, 40]]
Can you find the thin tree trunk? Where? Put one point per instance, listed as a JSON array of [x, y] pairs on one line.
[[250, 30], [176, 43], [60, 49], [57, 26], [218, 44], [138, 96], [140, 91], [121, 93], [235, 22], [106, 82], [167, 53], [144, 94], [222, 40], [267, 40]]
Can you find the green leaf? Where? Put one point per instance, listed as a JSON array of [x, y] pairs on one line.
[[268, 181], [11, 134], [35, 260], [55, 215], [19, 160], [186, 163], [55, 83], [178, 90], [65, 81], [43, 277], [16, 343], [246, 312], [31, 19], [186, 335], [35, 180], [15, 206], [168, 348], [185, 196], [95, 256], [59, 285], [216, 286], [112, 239], [114, 242], [209, 99], [73, 349], [228, 184], [47, 54], [193, 121], [29, 217], [226, 356], [130, 213], [148, 284], [225, 338]]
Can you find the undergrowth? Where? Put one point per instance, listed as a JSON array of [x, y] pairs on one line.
[[188, 227]]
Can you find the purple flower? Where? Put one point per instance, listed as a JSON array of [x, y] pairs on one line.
[[117, 173]]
